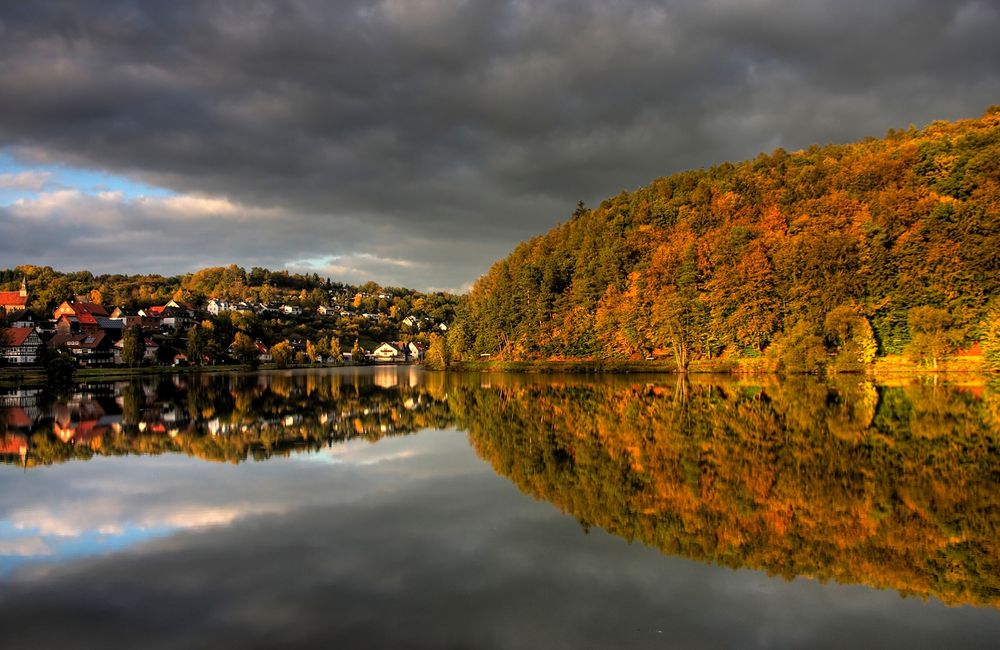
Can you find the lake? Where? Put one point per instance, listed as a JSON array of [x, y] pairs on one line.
[[391, 507]]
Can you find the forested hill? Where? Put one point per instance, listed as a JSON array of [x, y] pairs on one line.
[[841, 251]]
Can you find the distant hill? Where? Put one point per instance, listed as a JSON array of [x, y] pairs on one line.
[[831, 254]]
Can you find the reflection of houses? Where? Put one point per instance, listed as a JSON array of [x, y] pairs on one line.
[[21, 345], [85, 422]]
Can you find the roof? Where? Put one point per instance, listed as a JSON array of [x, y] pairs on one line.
[[16, 336], [12, 299], [110, 323], [86, 312], [93, 339]]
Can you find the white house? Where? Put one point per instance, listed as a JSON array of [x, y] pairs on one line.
[[390, 353], [21, 345]]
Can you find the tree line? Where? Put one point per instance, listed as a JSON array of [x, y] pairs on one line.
[[829, 256]]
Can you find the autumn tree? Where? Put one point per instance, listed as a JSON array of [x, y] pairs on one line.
[[281, 354], [991, 340], [311, 353], [850, 336], [933, 335], [438, 357], [357, 353], [335, 350], [243, 349], [800, 349]]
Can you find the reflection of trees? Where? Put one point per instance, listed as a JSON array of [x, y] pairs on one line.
[[891, 486], [229, 418], [887, 486]]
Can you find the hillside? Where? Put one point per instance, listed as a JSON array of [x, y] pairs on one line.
[[840, 252]]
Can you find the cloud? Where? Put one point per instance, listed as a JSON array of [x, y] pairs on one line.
[[25, 547], [472, 124], [31, 181]]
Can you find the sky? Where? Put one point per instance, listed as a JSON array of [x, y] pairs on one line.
[[415, 142]]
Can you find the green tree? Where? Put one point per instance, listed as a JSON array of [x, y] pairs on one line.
[[133, 346], [197, 344], [991, 340], [800, 349]]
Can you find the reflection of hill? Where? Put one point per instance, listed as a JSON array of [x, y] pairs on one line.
[[219, 418], [889, 487]]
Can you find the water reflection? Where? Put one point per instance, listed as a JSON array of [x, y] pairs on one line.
[[216, 417], [892, 486], [889, 486]]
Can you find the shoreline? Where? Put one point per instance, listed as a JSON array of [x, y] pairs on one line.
[[886, 367]]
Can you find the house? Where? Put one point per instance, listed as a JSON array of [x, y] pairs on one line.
[[389, 353], [397, 352], [85, 313], [150, 349], [21, 345], [292, 310], [15, 300], [90, 348], [22, 318], [216, 307], [326, 310], [129, 318], [416, 351], [412, 322], [183, 306], [170, 317]]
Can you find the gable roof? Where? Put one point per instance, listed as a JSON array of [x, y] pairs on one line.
[[16, 336], [86, 312], [93, 339], [9, 299]]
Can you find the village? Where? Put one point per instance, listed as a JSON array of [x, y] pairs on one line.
[[178, 333]]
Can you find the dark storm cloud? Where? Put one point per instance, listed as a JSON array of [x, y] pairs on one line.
[[469, 124]]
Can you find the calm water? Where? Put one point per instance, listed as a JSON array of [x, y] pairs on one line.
[[384, 508]]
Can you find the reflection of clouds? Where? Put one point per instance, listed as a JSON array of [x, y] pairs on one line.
[[360, 453], [82, 508], [92, 518], [453, 560]]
